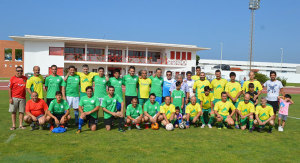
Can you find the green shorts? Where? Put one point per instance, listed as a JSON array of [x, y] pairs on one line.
[[244, 121], [216, 100], [224, 117], [142, 101], [206, 110]]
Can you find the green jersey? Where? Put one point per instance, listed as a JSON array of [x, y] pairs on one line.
[[100, 86], [130, 83], [58, 108], [134, 112], [89, 104], [72, 86], [117, 83], [110, 103], [156, 85], [53, 83], [152, 109], [177, 97]]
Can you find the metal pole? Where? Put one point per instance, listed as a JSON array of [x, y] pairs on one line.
[[221, 55], [251, 38]]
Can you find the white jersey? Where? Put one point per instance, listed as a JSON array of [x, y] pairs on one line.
[[190, 84], [273, 89]]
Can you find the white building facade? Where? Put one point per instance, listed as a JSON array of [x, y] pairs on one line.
[[45, 51], [241, 68]]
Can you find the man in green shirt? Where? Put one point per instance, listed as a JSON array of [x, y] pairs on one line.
[[100, 85], [134, 114], [59, 111], [130, 81], [152, 111], [177, 97], [116, 82], [156, 85], [88, 107], [70, 90], [110, 110], [53, 84]]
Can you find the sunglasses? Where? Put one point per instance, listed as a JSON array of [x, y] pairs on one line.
[[168, 74], [19, 70]]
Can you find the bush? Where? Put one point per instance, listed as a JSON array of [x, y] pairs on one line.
[[262, 78], [283, 80]]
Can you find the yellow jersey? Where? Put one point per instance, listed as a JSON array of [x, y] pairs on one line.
[[167, 109], [223, 107], [193, 110], [233, 88], [86, 79], [144, 87], [199, 85], [246, 108], [35, 83], [206, 100], [195, 77], [219, 87], [257, 86], [264, 113]]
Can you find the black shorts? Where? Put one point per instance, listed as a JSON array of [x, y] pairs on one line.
[[58, 116], [275, 105], [91, 119], [49, 101], [128, 100], [108, 121]]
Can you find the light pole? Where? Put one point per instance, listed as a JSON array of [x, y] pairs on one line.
[[221, 55], [281, 58], [253, 5]]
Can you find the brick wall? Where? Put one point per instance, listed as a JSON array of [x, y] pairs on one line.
[[8, 68]]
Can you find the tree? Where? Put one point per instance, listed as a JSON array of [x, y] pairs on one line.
[[197, 59]]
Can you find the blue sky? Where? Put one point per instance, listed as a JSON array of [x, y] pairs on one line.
[[204, 23]]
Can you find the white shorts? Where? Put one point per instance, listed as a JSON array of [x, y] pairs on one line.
[[100, 100], [73, 102]]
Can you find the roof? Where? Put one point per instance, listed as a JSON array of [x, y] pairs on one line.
[[22, 39]]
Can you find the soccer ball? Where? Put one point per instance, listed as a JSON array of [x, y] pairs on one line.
[[155, 126], [169, 127], [181, 125]]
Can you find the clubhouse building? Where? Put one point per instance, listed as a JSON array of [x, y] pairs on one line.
[[110, 54]]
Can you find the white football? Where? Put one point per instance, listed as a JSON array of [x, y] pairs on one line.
[[181, 125], [169, 127]]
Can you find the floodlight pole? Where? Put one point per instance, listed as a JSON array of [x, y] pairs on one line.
[[253, 5]]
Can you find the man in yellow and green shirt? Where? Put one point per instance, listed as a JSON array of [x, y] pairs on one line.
[[207, 107], [167, 110], [257, 86], [222, 111], [199, 85], [246, 109], [264, 114], [218, 85], [35, 83], [144, 87]]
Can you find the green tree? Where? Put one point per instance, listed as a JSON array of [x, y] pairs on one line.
[[262, 78], [197, 59]]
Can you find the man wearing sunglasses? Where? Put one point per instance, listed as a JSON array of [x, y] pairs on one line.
[[17, 97], [168, 81]]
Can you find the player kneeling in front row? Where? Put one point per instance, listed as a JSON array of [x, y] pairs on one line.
[[222, 111], [109, 106], [58, 111], [207, 107], [193, 112], [168, 111], [152, 111], [246, 109], [88, 108], [264, 115], [134, 113], [36, 110]]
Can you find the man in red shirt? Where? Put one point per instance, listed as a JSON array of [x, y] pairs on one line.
[[17, 98], [36, 109]]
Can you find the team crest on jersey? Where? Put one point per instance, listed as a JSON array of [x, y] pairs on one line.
[[92, 101], [120, 82], [134, 78], [115, 100], [103, 80], [155, 107], [138, 111], [76, 79], [58, 80], [61, 106]]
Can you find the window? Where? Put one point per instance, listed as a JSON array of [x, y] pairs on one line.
[[154, 57], [95, 55], [189, 56], [114, 55], [74, 54], [172, 55], [18, 54], [177, 55], [183, 55], [56, 51], [7, 54]]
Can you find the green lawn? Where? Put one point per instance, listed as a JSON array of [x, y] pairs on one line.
[[192, 145], [293, 84]]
